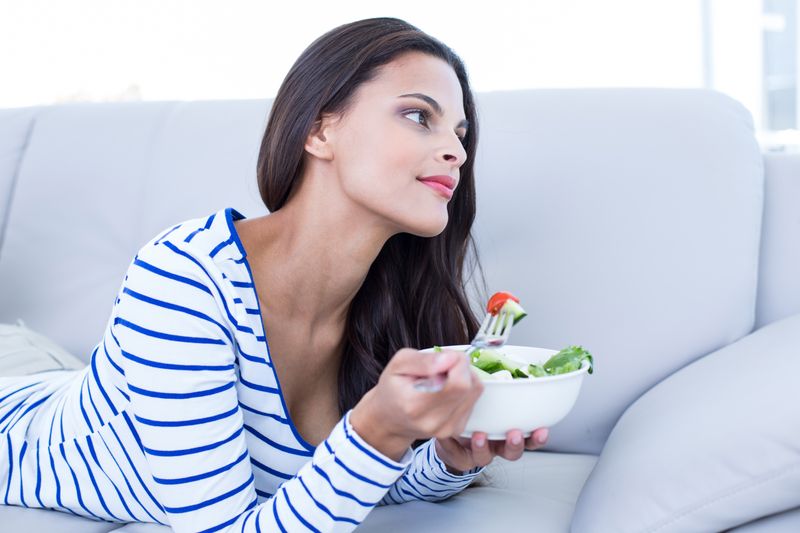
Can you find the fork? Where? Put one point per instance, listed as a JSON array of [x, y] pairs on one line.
[[493, 333]]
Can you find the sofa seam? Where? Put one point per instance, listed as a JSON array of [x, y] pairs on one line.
[[759, 245], [6, 216], [743, 487]]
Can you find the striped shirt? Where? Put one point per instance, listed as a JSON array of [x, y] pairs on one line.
[[179, 417]]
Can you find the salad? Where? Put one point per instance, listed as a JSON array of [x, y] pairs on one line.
[[491, 364]]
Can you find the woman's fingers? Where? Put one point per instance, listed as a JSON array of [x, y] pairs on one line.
[[513, 446], [414, 363], [459, 375], [537, 439], [481, 452], [442, 414], [462, 390]]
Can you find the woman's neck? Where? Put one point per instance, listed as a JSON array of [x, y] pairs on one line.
[[312, 256]]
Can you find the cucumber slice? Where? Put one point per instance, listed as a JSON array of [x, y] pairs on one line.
[[519, 373], [492, 361], [481, 374], [516, 310], [501, 375]]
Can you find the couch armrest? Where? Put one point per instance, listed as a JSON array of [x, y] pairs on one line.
[[715, 445]]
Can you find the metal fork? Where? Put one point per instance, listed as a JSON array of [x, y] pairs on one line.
[[493, 333]]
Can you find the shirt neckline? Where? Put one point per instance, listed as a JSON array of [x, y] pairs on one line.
[[232, 215]]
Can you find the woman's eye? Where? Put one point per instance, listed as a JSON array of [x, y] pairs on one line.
[[423, 115]]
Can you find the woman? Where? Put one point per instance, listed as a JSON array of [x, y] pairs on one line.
[[181, 418]]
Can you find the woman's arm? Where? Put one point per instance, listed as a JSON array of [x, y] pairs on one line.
[[427, 478], [173, 330]]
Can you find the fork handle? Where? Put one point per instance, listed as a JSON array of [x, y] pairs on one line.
[[427, 385]]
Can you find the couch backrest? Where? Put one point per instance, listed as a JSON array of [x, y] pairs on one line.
[[627, 220], [97, 182]]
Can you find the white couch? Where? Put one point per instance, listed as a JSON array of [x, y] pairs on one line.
[[643, 224]]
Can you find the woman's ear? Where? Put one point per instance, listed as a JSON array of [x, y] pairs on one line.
[[318, 142]]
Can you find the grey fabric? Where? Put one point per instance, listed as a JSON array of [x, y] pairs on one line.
[[15, 128], [25, 520], [24, 352], [74, 220], [627, 221], [785, 522], [101, 180], [144, 528], [203, 158], [536, 493], [713, 446], [779, 282]]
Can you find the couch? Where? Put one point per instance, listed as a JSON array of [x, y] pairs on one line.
[[645, 224]]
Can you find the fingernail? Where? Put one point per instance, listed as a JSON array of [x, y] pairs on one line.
[[516, 439], [480, 441], [542, 437]]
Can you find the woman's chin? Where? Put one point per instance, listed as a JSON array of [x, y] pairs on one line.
[[419, 218], [431, 228]]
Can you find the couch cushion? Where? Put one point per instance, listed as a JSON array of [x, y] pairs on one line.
[[15, 128], [24, 352], [538, 492], [628, 221], [25, 520], [100, 180], [778, 282], [714, 446], [785, 522]]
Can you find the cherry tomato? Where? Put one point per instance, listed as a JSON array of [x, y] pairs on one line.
[[498, 300]]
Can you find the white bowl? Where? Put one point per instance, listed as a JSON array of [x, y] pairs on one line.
[[525, 404]]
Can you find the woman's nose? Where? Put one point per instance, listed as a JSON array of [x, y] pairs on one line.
[[454, 154]]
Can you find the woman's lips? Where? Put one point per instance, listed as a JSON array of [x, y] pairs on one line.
[[443, 191]]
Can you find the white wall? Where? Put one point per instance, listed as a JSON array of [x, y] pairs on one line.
[[169, 49], [98, 50]]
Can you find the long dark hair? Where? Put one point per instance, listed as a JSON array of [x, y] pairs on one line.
[[414, 294]]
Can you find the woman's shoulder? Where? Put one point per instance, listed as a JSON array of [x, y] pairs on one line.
[[188, 265], [205, 240], [201, 253]]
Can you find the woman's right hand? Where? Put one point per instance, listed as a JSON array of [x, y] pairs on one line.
[[393, 414]]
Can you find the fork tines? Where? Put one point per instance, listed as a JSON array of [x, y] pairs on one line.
[[499, 325]]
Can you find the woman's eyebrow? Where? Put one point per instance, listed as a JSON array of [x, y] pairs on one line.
[[435, 105]]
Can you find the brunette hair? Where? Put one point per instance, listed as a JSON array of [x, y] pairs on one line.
[[414, 294]]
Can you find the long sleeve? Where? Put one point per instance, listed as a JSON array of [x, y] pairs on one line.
[[174, 330], [427, 478]]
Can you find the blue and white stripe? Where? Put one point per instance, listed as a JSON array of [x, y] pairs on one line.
[[179, 418]]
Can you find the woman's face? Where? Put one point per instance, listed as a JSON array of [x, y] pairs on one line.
[[387, 141]]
